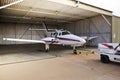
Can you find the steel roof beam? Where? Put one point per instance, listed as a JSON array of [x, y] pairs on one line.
[[10, 4]]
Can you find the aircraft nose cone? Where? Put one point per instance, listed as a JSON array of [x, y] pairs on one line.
[[83, 41]]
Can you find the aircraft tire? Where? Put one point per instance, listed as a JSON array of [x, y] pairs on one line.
[[75, 51], [105, 59]]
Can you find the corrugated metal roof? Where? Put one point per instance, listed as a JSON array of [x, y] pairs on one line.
[[48, 9]]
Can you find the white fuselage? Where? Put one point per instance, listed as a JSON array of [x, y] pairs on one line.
[[71, 39], [58, 37], [65, 39]]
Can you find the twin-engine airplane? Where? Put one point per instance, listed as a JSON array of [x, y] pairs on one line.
[[61, 37]]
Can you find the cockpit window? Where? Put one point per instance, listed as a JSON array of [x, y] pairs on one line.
[[65, 33], [55, 33]]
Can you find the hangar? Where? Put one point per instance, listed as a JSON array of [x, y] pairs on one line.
[[17, 16], [79, 18]]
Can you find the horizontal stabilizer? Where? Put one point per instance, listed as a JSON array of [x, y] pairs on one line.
[[89, 38]]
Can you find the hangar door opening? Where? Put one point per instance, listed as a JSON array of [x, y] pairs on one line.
[[93, 26], [79, 18]]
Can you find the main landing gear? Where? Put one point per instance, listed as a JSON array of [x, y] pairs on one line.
[[46, 47]]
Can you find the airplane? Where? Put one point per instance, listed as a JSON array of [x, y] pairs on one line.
[[60, 37]]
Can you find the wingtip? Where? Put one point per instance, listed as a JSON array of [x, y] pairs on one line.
[[4, 38]]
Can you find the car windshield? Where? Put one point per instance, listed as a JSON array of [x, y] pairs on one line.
[[65, 33]]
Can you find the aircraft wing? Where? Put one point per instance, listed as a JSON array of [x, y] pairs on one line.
[[89, 38], [24, 40]]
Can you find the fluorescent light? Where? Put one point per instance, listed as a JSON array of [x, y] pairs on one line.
[[1, 7]]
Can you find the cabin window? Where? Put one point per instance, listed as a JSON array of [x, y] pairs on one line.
[[55, 33], [59, 34], [51, 34], [65, 33]]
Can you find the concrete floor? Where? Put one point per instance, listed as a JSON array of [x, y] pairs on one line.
[[10, 54], [74, 67], [62, 67]]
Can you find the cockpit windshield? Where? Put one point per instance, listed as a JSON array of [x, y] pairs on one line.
[[66, 33], [60, 33]]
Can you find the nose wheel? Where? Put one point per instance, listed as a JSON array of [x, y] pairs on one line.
[[74, 50]]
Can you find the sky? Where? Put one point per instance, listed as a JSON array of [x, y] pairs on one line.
[[112, 5]]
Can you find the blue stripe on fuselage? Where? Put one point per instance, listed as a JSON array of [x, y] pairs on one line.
[[68, 39]]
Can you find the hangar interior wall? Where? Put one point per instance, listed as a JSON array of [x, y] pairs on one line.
[[115, 29], [94, 26]]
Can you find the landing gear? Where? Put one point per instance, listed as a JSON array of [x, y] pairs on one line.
[[46, 50], [46, 47], [74, 50]]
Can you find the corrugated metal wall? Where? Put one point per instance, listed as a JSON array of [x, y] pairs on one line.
[[19, 30], [95, 26], [116, 29]]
